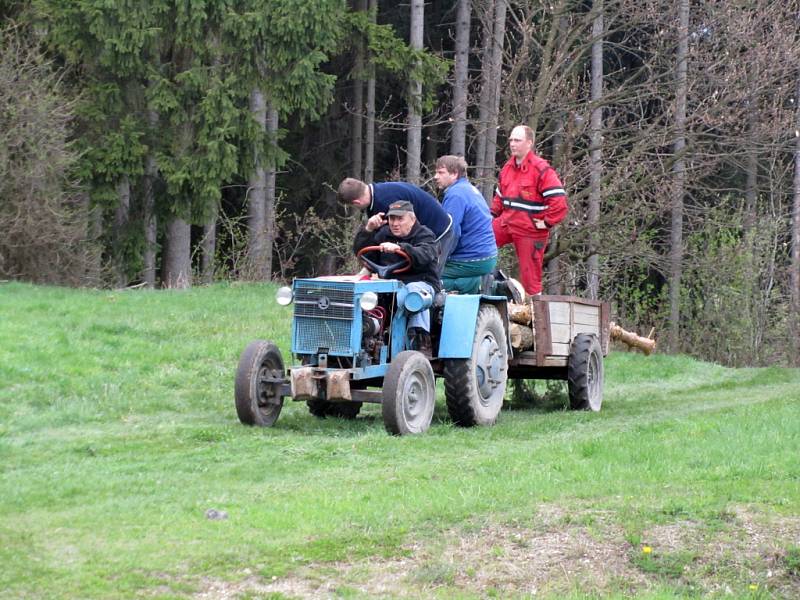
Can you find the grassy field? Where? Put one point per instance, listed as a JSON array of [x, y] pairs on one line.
[[118, 434]]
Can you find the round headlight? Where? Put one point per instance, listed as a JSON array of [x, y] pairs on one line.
[[417, 300], [369, 300], [284, 296]]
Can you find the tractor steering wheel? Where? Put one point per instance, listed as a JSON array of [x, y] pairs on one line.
[[401, 266]]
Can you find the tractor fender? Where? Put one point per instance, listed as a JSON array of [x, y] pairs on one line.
[[458, 323]]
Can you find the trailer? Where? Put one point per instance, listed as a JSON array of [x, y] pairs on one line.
[[571, 336]]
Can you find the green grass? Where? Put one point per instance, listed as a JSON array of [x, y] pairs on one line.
[[118, 432]]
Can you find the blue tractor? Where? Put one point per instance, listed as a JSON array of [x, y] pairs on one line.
[[350, 343]]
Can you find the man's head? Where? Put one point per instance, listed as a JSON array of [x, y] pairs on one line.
[[353, 192], [521, 141], [448, 169], [401, 218]]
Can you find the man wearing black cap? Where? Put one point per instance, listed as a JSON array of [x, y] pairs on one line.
[[404, 233]]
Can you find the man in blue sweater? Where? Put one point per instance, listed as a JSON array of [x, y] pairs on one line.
[[474, 251], [375, 198]]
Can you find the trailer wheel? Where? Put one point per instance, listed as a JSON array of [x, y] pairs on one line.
[[409, 394], [258, 384], [474, 387], [585, 373]]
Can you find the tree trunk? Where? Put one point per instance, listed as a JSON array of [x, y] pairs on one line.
[[431, 147], [369, 138], [498, 36], [595, 152], [150, 223], [369, 135], [121, 216], [482, 171], [414, 143], [679, 178], [269, 209], [554, 281], [751, 185], [208, 246], [751, 147], [795, 263], [458, 137], [547, 66], [177, 256], [93, 261], [149, 207], [357, 130], [257, 200]]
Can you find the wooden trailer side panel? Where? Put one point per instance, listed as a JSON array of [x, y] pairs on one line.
[[564, 318]]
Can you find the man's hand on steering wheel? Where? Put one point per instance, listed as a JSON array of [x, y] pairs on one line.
[[391, 248], [402, 265]]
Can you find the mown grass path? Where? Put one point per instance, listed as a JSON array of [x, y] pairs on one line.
[[118, 433]]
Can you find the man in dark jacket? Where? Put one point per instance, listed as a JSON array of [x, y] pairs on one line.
[[404, 233]]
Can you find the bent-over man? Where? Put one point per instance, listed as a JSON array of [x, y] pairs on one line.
[[374, 199]]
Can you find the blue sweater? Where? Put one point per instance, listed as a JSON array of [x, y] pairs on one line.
[[472, 222], [427, 208]]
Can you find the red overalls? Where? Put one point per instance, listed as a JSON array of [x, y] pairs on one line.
[[528, 191]]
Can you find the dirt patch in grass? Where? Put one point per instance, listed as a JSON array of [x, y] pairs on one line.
[[745, 552], [556, 553]]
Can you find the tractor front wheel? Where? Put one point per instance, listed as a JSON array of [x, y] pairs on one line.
[[409, 394], [258, 384]]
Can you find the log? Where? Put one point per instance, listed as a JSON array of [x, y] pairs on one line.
[[521, 336], [520, 313], [645, 344]]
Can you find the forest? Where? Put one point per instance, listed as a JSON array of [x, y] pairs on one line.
[[167, 144]]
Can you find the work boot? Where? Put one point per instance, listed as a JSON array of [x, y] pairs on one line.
[[421, 342], [511, 289], [516, 291], [425, 345]]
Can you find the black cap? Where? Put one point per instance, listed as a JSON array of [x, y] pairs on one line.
[[399, 208]]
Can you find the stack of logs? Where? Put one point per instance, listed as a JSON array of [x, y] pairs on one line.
[[522, 327], [520, 330]]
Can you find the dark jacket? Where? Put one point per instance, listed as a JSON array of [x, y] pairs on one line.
[[427, 208], [420, 244]]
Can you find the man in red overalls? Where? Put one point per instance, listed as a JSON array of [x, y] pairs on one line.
[[529, 200]]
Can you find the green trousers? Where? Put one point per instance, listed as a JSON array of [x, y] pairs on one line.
[[464, 277]]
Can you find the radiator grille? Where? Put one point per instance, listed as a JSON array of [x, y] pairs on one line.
[[311, 334], [323, 316]]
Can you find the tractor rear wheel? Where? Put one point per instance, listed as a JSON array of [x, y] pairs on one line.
[[585, 373], [474, 387], [409, 394], [258, 384]]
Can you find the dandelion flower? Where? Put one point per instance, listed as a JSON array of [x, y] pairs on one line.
[[646, 550], [753, 587]]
